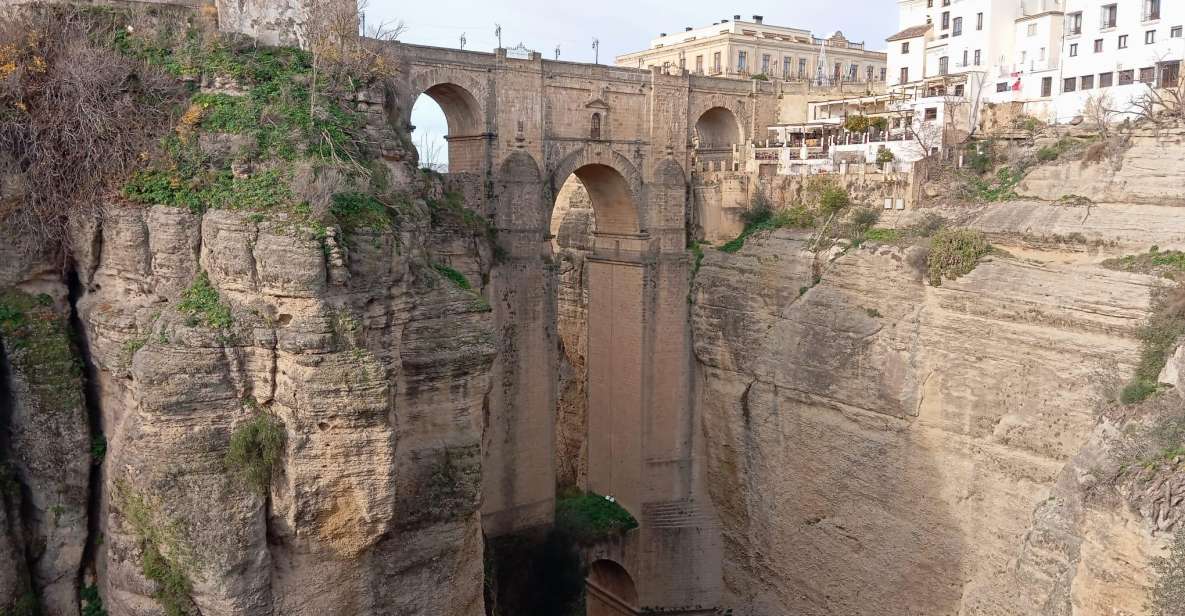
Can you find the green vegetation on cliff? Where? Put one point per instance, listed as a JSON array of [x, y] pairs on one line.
[[164, 558], [1165, 328], [954, 253], [201, 302], [255, 448], [588, 517], [37, 340]]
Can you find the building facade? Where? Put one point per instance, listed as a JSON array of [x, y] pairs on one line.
[[1056, 58], [748, 49]]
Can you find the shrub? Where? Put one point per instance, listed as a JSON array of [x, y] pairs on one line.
[[864, 219], [453, 275], [760, 77], [200, 301], [797, 217], [75, 114], [884, 236], [255, 448], [979, 157], [1158, 339], [954, 253], [588, 517], [929, 224], [1047, 154], [356, 210], [1168, 591], [856, 124], [92, 603], [172, 585], [98, 448], [884, 155], [833, 198], [760, 209], [1166, 263]]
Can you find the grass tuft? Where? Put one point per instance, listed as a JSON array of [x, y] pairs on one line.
[[201, 302], [954, 253], [255, 448]]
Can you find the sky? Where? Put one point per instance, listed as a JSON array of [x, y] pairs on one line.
[[622, 26]]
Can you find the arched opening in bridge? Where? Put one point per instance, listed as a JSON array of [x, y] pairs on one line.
[[598, 283], [449, 129], [610, 196], [717, 128], [611, 590]]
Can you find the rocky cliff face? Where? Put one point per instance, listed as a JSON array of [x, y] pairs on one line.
[[286, 414], [377, 368], [45, 439], [880, 445]]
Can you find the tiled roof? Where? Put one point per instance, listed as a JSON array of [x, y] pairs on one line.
[[909, 33]]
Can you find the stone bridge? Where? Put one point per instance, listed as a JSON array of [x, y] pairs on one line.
[[524, 126]]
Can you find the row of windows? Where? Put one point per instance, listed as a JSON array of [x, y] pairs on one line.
[[1122, 40], [769, 67], [1109, 16], [955, 25], [1170, 72]]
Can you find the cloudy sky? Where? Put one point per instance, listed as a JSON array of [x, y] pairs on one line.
[[622, 26]]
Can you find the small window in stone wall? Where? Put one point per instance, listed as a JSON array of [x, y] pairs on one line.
[[595, 131]]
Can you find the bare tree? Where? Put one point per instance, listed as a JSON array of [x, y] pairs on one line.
[[1099, 111], [1159, 105], [431, 152]]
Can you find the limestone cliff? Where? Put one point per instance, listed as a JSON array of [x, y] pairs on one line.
[[881, 445]]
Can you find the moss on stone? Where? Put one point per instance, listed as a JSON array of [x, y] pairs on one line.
[[37, 340]]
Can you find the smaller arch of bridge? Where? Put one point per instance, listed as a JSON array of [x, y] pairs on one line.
[[613, 184], [701, 104], [461, 97], [718, 127], [612, 591]]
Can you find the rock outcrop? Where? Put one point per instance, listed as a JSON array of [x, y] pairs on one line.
[[45, 439], [377, 368], [1148, 172], [879, 445]]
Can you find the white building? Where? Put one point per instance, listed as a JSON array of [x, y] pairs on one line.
[[1052, 56]]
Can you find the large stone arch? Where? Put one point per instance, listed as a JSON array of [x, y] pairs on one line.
[[611, 590], [462, 97], [614, 186]]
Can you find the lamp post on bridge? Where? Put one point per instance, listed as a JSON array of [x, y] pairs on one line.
[[596, 51], [498, 33], [462, 41]]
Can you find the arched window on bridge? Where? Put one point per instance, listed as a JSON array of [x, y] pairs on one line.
[[595, 131]]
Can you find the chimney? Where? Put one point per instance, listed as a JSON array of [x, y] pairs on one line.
[[736, 17], [688, 28], [662, 35], [758, 18]]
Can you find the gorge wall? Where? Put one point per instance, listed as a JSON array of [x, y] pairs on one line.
[[878, 444]]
